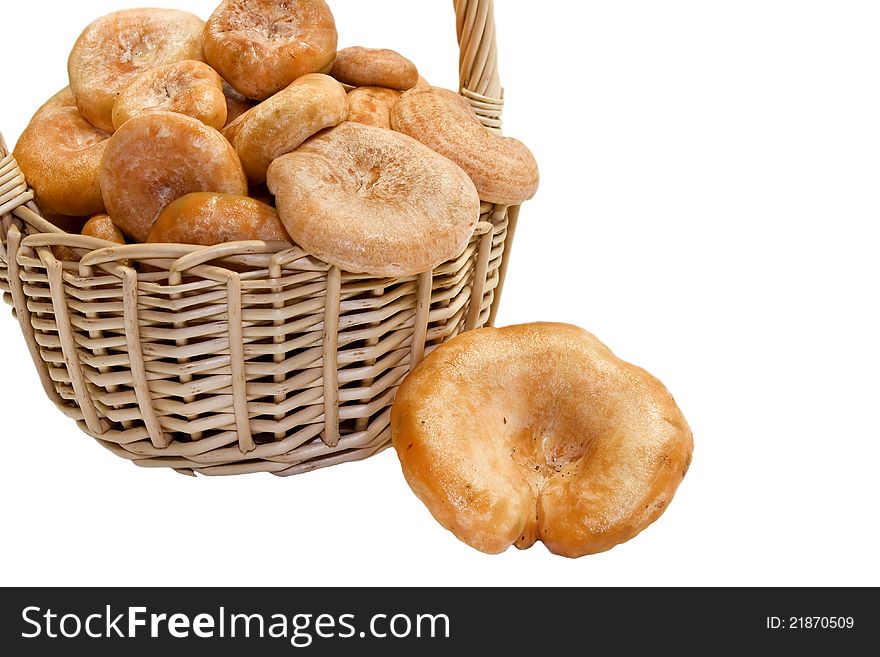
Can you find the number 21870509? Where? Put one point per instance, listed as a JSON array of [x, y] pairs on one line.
[[810, 623]]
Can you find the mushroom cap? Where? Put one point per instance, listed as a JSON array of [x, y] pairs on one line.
[[208, 218], [117, 47], [261, 46], [60, 155], [539, 432], [373, 201], [282, 123], [187, 87], [370, 67], [102, 227], [372, 106], [503, 169], [156, 158]]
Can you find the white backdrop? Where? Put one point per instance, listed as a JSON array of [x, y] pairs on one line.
[[709, 208]]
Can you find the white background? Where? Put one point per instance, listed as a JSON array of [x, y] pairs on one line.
[[709, 208]]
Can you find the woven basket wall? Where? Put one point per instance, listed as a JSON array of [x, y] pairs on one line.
[[247, 356]]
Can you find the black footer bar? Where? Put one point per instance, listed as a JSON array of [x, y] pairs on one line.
[[433, 621]]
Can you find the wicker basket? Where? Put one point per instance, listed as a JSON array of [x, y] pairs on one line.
[[247, 356]]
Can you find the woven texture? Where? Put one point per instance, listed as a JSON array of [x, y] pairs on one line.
[[247, 356]]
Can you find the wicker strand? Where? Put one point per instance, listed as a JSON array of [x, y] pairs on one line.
[[512, 216], [362, 423], [184, 377], [478, 288], [19, 301], [13, 188], [239, 375], [101, 353], [12, 185], [136, 356], [278, 339], [15, 200], [55, 271], [423, 311], [330, 355]]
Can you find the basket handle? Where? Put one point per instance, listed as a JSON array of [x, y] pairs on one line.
[[478, 61]]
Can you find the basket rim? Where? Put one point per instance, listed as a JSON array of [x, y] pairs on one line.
[[106, 255]]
